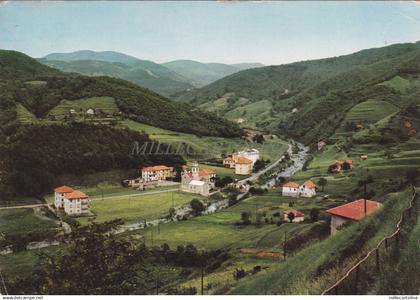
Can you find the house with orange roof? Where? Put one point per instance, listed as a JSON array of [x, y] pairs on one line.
[[59, 193], [307, 189], [290, 189], [298, 216], [243, 166], [72, 202], [295, 189], [156, 173], [198, 181], [353, 211]]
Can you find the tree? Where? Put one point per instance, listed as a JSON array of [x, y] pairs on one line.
[[322, 182], [412, 175], [291, 216], [246, 217], [197, 206], [258, 138], [314, 214], [97, 263]]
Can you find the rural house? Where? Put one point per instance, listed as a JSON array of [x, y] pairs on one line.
[[341, 165], [245, 159], [198, 181], [73, 202], [243, 166], [298, 216], [291, 189], [156, 173], [307, 189], [353, 211], [59, 194], [294, 189]]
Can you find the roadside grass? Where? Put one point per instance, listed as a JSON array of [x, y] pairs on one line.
[[136, 208], [22, 221], [207, 147], [317, 266]]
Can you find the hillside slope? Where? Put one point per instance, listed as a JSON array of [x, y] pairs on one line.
[[301, 98], [201, 74], [142, 72], [44, 111]]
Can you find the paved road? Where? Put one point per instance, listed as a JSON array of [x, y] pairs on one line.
[[23, 206], [255, 176]]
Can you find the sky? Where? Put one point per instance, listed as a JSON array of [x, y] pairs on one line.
[[228, 32]]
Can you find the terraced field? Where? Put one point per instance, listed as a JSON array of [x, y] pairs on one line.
[[210, 147]]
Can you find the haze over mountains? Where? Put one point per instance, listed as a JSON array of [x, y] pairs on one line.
[[167, 79]]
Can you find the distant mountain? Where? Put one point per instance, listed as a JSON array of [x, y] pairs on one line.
[[308, 100], [109, 56], [142, 72], [201, 74]]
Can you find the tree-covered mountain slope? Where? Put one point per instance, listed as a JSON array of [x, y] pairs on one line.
[[201, 74], [308, 100], [46, 130], [142, 72]]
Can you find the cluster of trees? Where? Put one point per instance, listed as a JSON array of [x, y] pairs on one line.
[[100, 263], [36, 155]]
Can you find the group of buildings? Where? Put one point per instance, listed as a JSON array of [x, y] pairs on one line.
[[72, 202], [242, 161], [197, 181]]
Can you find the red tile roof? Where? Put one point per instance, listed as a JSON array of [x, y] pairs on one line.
[[355, 210], [76, 195], [243, 160], [291, 184], [63, 189], [206, 172], [309, 184], [295, 212], [157, 168]]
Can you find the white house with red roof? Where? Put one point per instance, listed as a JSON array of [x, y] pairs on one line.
[[307, 189], [73, 202], [156, 173], [198, 181], [59, 194], [290, 189], [353, 211], [298, 216], [294, 189], [243, 166], [76, 203]]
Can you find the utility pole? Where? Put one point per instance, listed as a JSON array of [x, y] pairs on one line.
[[202, 280], [284, 245]]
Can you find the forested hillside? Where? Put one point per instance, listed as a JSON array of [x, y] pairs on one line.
[[302, 98], [201, 74], [42, 136]]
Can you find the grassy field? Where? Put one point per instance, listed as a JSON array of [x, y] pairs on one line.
[[300, 273], [25, 116], [218, 230], [22, 221], [104, 104], [210, 147], [136, 208]]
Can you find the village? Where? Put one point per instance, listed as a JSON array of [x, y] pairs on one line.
[[202, 181]]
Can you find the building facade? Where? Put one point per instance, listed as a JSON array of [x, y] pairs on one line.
[[198, 181], [72, 202], [353, 211], [294, 189], [156, 173], [243, 166]]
